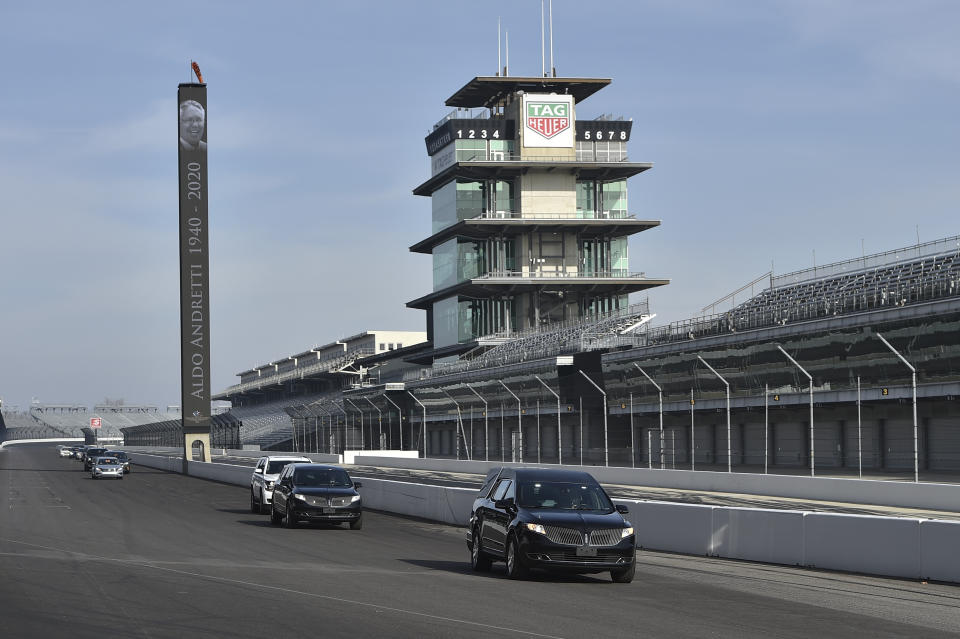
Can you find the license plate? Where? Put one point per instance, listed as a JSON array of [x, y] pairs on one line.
[[329, 511], [586, 551]]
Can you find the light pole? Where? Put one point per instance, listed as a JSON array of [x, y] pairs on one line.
[[859, 434], [345, 416], [729, 454], [766, 425], [379, 424], [519, 420], [486, 424], [913, 374], [460, 425], [606, 448], [362, 441], [660, 394], [559, 435], [399, 414], [809, 377], [423, 426]]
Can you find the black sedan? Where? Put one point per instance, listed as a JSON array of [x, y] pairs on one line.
[[316, 492], [557, 520], [122, 457]]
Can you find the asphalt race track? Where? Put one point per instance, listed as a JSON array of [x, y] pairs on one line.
[[163, 555]]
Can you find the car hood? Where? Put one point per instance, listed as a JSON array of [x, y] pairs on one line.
[[338, 491], [578, 519]]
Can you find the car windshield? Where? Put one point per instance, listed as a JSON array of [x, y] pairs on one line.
[[563, 496], [321, 478], [119, 455], [275, 467]]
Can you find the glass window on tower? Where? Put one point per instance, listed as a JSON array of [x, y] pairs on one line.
[[586, 199], [445, 264], [503, 199], [619, 257], [444, 204], [445, 322], [471, 150], [614, 199], [470, 199]]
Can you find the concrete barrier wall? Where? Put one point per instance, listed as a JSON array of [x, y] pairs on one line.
[[879, 545], [163, 462], [940, 550], [753, 534], [684, 528], [888, 546], [14, 442], [856, 491], [320, 458], [438, 503], [349, 456]]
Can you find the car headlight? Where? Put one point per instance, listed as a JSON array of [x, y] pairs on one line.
[[354, 499], [626, 532], [269, 485], [300, 497], [537, 528]]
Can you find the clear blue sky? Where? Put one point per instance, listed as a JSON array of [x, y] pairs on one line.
[[777, 128]]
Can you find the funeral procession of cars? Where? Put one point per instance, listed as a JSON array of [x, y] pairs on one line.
[[530, 519]]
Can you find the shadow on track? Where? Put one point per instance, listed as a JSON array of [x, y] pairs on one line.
[[499, 572]]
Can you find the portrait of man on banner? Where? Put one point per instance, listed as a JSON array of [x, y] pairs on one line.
[[192, 125]]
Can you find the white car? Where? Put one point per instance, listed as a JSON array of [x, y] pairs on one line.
[[103, 467], [66, 451], [264, 476]]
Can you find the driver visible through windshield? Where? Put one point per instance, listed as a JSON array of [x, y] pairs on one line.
[[563, 496], [322, 478]]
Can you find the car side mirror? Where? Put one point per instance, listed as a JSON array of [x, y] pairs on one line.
[[623, 510], [357, 484], [258, 471], [505, 504]]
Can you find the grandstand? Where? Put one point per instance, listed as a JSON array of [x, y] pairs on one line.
[[539, 395], [224, 432]]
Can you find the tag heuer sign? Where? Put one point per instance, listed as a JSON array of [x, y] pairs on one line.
[[548, 120]]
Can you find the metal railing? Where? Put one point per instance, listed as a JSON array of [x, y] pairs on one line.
[[325, 366], [578, 215], [483, 155], [615, 273], [887, 258]]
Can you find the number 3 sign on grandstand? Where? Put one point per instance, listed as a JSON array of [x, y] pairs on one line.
[[95, 422]]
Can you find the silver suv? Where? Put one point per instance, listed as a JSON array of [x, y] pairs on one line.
[[264, 476]]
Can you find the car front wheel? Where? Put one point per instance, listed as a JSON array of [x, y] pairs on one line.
[[515, 567], [290, 520], [624, 576], [357, 524], [254, 506]]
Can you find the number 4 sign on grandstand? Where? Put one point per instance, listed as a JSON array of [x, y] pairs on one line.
[[95, 422]]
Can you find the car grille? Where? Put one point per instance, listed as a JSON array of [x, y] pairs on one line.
[[606, 537], [332, 502], [568, 536], [573, 537]]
